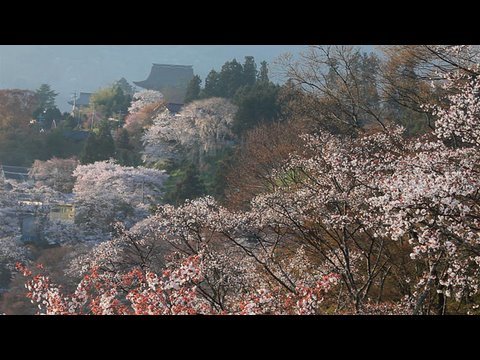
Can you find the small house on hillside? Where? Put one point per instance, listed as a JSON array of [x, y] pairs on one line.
[[63, 212], [18, 173], [83, 100]]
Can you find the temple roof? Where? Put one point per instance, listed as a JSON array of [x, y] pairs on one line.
[[170, 80]]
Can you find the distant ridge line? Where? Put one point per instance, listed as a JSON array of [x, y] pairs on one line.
[[174, 66]]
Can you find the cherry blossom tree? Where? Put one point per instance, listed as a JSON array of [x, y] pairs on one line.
[[458, 119], [431, 198], [106, 192], [202, 126], [175, 291], [144, 98], [11, 247], [374, 222], [230, 281], [55, 173], [145, 106]]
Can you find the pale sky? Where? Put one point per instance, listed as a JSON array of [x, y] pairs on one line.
[[87, 68]]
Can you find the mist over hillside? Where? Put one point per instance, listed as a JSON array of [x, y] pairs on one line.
[[69, 68]]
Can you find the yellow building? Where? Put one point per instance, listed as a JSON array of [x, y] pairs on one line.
[[62, 212]]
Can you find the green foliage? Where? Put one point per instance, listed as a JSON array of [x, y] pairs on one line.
[[193, 89], [249, 71], [122, 139], [214, 170], [46, 111], [46, 116], [125, 86], [256, 105], [125, 152], [231, 78], [413, 121], [183, 183], [45, 97], [68, 122], [251, 90], [212, 85], [263, 73], [110, 101], [88, 154], [21, 148], [57, 145], [99, 145], [189, 180], [257, 99]]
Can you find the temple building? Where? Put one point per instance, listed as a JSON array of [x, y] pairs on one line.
[[83, 100], [171, 80]]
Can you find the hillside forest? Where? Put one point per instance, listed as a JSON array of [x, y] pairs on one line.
[[350, 187]]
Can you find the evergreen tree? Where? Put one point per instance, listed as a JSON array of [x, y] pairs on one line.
[[184, 183], [89, 152], [69, 122], [193, 89], [249, 71], [57, 145], [105, 143], [125, 86], [231, 78], [263, 73], [46, 111], [123, 139], [256, 105], [125, 153], [191, 186], [98, 146], [120, 101], [110, 101], [212, 83], [45, 97], [46, 116]]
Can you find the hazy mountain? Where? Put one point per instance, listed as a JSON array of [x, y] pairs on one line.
[[69, 68]]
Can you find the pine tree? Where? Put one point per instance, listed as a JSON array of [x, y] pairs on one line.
[[193, 89], [46, 111], [105, 143], [256, 105], [190, 186], [123, 139], [125, 86], [88, 154], [98, 146], [231, 78], [249, 71], [263, 73], [125, 153], [45, 97], [212, 82]]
